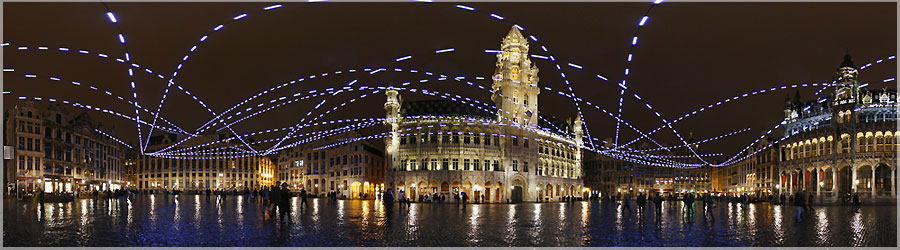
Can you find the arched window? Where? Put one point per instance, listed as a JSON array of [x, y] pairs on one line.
[[514, 73]]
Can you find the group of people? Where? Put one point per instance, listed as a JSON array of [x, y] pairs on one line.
[[642, 200]]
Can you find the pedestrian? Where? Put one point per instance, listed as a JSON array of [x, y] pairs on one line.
[[782, 199], [657, 200], [285, 201], [303, 198], [856, 203], [809, 208], [41, 198], [482, 198], [689, 204], [625, 201], [798, 202], [207, 193], [275, 197], [456, 198], [641, 201], [464, 198]]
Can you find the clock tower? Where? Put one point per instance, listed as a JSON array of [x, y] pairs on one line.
[[515, 82]]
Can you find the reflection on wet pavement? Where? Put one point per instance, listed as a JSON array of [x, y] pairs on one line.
[[191, 220]]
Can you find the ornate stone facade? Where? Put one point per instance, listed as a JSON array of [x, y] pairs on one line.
[[443, 147]]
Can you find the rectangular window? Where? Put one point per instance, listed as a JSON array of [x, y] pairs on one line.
[[525, 143], [434, 165], [466, 140], [496, 140], [466, 164], [515, 141], [476, 165], [515, 165], [445, 139], [496, 165], [21, 143], [412, 139], [445, 164], [434, 138], [403, 140], [455, 139], [412, 164], [455, 164]]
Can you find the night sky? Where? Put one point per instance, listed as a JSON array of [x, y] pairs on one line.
[[688, 55]]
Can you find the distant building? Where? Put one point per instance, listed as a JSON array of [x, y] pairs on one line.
[[610, 176], [354, 169], [443, 147], [212, 170], [62, 154]]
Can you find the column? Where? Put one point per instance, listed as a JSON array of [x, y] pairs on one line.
[[853, 180], [872, 182], [819, 180], [893, 184], [791, 183], [834, 182]]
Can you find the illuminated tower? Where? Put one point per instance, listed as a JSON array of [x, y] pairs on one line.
[[392, 110], [578, 143], [515, 82], [844, 115]]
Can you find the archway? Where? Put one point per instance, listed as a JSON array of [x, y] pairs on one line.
[[844, 180], [517, 194], [883, 179], [829, 179], [864, 176], [445, 187], [499, 192], [355, 190], [487, 191]]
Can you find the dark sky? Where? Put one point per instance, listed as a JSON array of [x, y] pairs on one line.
[[688, 55]]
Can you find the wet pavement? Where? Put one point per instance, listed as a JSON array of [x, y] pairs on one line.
[[193, 220]]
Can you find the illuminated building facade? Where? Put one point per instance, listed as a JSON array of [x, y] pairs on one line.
[[509, 154], [62, 154], [213, 170], [354, 169], [607, 175], [846, 142]]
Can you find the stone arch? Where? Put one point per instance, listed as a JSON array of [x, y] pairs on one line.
[[865, 178], [445, 187], [883, 173]]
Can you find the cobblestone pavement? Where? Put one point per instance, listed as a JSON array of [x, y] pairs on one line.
[[193, 220]]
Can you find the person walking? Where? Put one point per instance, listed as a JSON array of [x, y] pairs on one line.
[[689, 204], [303, 196], [275, 198], [641, 201], [657, 201], [464, 198], [809, 208], [285, 201], [856, 203], [626, 202], [41, 198], [799, 203]]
